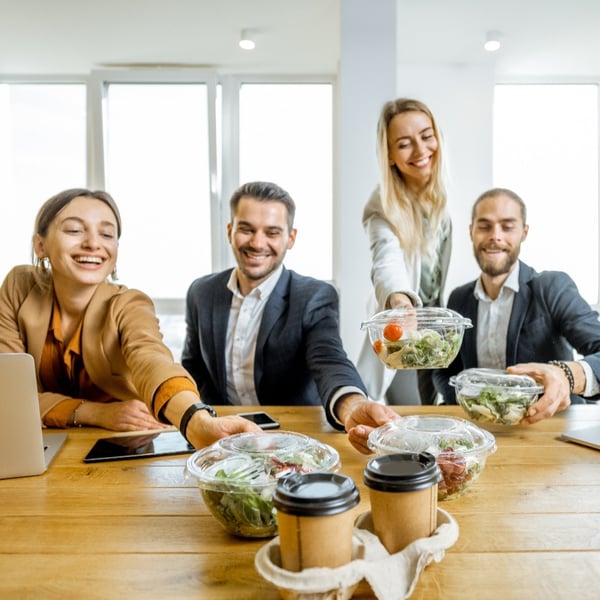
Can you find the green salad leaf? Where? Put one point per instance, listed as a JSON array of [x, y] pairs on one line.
[[497, 405], [425, 349], [242, 509]]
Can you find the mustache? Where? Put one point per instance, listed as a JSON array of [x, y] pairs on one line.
[[493, 247], [263, 252]]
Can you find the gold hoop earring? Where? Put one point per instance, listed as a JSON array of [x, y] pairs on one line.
[[45, 264]]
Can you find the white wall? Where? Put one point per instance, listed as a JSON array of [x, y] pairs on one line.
[[366, 79], [460, 97]]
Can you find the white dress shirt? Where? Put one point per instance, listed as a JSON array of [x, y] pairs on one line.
[[245, 317], [492, 321]]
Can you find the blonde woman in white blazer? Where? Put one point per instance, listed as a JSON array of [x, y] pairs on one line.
[[408, 226]]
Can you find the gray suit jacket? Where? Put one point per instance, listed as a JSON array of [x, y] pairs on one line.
[[299, 356], [549, 319]]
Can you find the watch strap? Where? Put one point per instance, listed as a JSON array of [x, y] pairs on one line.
[[190, 412]]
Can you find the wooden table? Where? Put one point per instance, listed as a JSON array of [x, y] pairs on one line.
[[529, 527]]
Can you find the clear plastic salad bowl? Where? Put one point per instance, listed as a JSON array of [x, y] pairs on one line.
[[460, 447], [237, 476], [495, 396], [418, 338]]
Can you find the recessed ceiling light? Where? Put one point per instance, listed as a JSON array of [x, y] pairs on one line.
[[492, 41], [247, 40]]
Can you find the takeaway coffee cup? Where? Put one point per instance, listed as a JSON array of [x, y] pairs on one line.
[[315, 520], [403, 494]]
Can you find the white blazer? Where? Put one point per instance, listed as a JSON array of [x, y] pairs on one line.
[[391, 271]]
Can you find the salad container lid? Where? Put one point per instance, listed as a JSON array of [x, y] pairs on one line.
[[477, 379], [434, 434], [425, 317], [260, 458]]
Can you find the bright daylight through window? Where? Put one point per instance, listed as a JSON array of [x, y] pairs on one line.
[[286, 136], [42, 152], [546, 150]]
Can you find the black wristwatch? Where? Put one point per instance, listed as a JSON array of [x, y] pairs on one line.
[[189, 413]]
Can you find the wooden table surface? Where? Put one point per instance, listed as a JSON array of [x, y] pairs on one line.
[[529, 527]]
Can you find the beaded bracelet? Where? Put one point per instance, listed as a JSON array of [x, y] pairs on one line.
[[566, 370], [73, 419]]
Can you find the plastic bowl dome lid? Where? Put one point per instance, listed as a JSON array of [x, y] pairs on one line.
[[426, 317], [477, 379], [433, 434], [260, 458]]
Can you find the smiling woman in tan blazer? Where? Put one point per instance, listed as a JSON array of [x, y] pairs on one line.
[[97, 346]]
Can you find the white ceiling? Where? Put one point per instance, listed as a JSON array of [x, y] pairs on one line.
[[543, 38]]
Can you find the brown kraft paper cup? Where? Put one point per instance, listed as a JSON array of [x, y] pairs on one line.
[[306, 542], [314, 519], [403, 495]]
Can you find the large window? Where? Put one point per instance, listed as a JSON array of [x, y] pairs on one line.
[[157, 169], [42, 152], [546, 150], [170, 146], [286, 136]]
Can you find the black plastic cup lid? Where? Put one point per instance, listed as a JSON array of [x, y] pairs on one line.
[[404, 472], [315, 494]]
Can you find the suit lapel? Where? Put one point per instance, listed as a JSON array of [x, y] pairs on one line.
[[217, 326], [274, 308], [469, 311], [519, 310]]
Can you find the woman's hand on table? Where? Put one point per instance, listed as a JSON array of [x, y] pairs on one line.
[[360, 416], [556, 396], [126, 415]]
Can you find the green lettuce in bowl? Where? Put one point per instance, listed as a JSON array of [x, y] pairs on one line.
[[238, 474], [495, 396]]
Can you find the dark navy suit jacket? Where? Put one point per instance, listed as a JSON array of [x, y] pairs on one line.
[[299, 356], [549, 319]]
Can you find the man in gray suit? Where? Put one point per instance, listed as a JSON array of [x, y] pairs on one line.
[[527, 321], [261, 334]]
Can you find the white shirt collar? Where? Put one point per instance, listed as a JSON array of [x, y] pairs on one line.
[[261, 291], [511, 283]]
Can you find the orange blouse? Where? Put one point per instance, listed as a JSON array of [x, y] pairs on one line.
[[62, 370]]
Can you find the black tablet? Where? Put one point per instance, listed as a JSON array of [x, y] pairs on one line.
[[164, 443]]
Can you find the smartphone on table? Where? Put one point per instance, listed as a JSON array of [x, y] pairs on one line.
[[261, 418]]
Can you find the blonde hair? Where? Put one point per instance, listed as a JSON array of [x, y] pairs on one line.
[[401, 206]]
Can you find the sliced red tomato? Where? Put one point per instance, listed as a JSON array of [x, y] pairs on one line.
[[377, 346], [392, 332]]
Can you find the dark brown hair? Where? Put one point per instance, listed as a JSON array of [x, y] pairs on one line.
[[264, 191]]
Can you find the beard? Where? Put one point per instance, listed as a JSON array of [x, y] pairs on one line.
[[501, 265]]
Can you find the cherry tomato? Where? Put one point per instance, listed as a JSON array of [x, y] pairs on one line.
[[392, 332], [377, 346]]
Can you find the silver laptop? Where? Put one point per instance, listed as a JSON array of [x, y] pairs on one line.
[[587, 436], [24, 448]]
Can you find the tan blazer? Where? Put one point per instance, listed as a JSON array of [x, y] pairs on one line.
[[122, 346]]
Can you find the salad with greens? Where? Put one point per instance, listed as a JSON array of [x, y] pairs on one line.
[[459, 470], [460, 447], [497, 405], [237, 487], [421, 349]]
